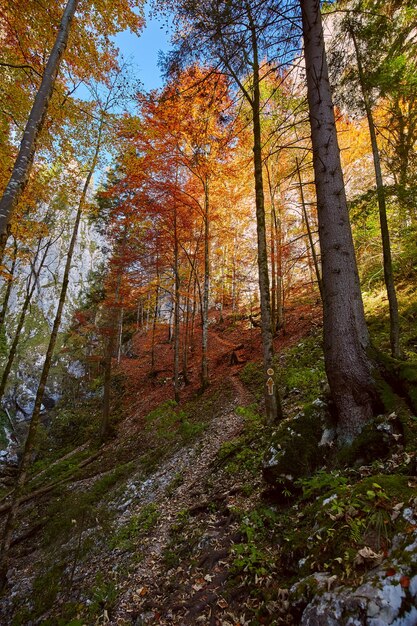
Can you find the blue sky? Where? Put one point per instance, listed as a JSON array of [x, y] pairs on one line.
[[143, 51]]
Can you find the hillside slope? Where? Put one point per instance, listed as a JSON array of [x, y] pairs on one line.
[[201, 514]]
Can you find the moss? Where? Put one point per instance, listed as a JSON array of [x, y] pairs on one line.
[[244, 454], [53, 471], [74, 512], [126, 536], [253, 377], [295, 449], [401, 376], [303, 367], [374, 442], [170, 423], [336, 517], [4, 426]]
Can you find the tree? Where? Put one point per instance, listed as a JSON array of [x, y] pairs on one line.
[[23, 163], [89, 55], [182, 146], [235, 36], [359, 71], [346, 339], [99, 134]]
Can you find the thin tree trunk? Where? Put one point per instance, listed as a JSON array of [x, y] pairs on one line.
[[346, 338], [9, 285], [206, 289], [382, 206], [28, 298], [108, 356], [24, 160], [176, 312], [273, 277], [309, 235], [4, 237], [194, 309], [187, 329], [233, 285], [155, 317], [274, 294], [35, 420], [119, 344], [279, 278], [272, 399]]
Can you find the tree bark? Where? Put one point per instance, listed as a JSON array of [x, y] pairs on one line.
[[24, 160], [309, 234], [9, 285], [346, 338], [28, 298], [155, 317], [176, 312], [108, 356], [206, 289], [272, 401], [382, 206]]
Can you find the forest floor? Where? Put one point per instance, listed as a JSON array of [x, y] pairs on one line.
[[171, 521]]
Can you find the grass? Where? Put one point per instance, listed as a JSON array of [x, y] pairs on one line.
[[127, 536]]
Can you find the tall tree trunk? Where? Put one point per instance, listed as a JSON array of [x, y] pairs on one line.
[[33, 280], [309, 234], [108, 356], [24, 160], [35, 420], [206, 289], [194, 308], [272, 399], [186, 338], [386, 245], [4, 237], [120, 337], [346, 338], [9, 285], [155, 317], [273, 276], [277, 215], [176, 312]]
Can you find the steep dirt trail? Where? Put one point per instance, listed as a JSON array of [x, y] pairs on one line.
[[193, 464]]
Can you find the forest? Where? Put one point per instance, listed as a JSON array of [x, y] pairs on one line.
[[208, 308]]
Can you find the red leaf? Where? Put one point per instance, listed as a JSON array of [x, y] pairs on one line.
[[405, 582]]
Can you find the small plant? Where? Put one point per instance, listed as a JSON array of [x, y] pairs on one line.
[[168, 422], [252, 555], [176, 482], [253, 377], [127, 535], [103, 596], [304, 368], [321, 482]]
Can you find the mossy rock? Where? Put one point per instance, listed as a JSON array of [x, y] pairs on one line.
[[295, 451], [376, 441], [401, 376]]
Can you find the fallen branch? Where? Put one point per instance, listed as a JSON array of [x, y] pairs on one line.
[[47, 488]]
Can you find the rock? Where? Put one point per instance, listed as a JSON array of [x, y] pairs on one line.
[[380, 601], [378, 439], [295, 451]]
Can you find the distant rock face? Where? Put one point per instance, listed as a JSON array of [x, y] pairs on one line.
[[22, 386]]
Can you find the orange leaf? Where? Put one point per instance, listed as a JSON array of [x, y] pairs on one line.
[[405, 582]]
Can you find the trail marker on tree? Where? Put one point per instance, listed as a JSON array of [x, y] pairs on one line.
[[270, 383]]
